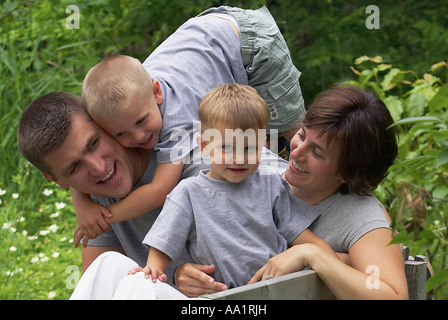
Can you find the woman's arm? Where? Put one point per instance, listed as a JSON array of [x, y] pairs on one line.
[[377, 272]]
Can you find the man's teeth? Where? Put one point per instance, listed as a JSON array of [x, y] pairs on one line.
[[299, 168], [108, 175]]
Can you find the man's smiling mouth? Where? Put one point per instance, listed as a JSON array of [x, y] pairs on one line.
[[110, 176]]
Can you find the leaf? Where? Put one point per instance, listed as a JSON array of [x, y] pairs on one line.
[[436, 280], [391, 79], [377, 59], [401, 237], [395, 107], [438, 65], [442, 158], [440, 100], [416, 104], [417, 119]]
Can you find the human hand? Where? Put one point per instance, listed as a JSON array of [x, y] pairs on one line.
[[91, 223], [154, 272], [194, 280], [292, 260]]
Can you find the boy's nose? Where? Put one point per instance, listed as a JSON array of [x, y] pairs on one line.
[[239, 157], [138, 136]]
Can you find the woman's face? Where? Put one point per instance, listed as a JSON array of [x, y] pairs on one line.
[[313, 165]]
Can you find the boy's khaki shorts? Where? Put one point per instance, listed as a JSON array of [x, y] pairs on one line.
[[269, 67]]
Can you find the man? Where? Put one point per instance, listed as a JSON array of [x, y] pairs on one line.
[[58, 137]]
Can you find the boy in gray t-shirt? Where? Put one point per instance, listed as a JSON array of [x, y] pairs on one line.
[[238, 214]]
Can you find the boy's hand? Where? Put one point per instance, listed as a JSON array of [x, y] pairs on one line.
[[150, 271], [91, 223]]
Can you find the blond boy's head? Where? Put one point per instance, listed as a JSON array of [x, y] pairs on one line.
[[234, 119], [233, 106], [110, 85]]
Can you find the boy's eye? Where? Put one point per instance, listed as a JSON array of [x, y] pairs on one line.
[[227, 147], [251, 148], [142, 120], [119, 135]]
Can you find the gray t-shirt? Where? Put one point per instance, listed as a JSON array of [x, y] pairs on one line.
[[130, 233], [346, 218], [235, 226], [203, 53]]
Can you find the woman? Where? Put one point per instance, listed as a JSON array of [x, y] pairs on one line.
[[338, 157]]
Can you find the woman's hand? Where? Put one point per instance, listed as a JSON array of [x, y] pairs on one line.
[[194, 280], [292, 260]]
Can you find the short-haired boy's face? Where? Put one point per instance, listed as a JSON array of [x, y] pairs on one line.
[[139, 126], [91, 162], [234, 154]]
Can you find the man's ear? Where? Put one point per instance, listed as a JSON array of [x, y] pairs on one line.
[[59, 183], [157, 91]]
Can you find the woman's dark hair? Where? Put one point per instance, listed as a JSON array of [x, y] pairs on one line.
[[358, 123]]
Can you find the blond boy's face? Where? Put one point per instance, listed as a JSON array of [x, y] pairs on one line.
[[234, 154], [140, 125]]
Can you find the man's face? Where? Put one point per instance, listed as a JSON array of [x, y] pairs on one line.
[[91, 162]]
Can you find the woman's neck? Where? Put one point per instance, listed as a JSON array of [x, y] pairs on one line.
[[312, 197]]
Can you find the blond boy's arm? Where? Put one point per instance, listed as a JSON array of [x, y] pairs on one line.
[[91, 217], [155, 265], [147, 197]]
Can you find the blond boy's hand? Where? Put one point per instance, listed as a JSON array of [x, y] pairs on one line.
[[154, 272], [91, 222]]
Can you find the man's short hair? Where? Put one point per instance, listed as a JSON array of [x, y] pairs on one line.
[[44, 126]]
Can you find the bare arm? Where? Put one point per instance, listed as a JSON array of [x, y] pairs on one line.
[[155, 265], [307, 236], [370, 253], [147, 197]]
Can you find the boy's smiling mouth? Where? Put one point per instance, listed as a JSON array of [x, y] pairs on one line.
[[147, 142]]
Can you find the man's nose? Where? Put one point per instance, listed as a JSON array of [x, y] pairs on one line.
[[96, 165]]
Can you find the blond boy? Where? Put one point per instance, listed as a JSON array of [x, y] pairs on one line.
[[238, 214]]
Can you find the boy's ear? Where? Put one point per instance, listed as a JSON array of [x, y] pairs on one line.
[[157, 91], [201, 145], [59, 183]]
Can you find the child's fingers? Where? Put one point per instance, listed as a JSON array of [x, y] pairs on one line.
[[162, 277], [135, 270]]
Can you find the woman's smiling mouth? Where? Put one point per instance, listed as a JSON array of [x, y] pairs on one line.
[[298, 168]]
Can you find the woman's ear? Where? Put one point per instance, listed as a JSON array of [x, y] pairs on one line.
[[340, 178], [53, 179]]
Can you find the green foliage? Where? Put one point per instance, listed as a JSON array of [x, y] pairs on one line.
[[325, 37], [416, 189], [39, 54]]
